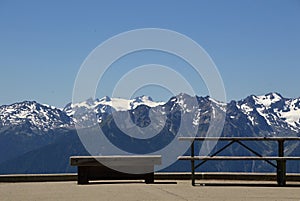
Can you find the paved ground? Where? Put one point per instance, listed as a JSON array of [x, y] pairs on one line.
[[161, 190]]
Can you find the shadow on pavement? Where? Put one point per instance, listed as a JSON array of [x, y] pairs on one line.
[[246, 185], [128, 182]]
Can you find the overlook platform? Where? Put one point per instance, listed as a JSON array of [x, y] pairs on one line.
[[167, 186]]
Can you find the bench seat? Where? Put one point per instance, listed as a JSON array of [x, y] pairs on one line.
[[115, 167]]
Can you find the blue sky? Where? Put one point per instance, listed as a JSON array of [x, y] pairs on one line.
[[254, 44]]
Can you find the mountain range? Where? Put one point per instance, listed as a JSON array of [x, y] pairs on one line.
[[38, 138]]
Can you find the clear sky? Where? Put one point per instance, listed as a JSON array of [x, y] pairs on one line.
[[255, 44]]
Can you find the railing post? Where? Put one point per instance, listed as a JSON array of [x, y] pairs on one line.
[[281, 165], [193, 163], [281, 148]]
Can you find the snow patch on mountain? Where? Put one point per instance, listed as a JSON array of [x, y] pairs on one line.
[[246, 109], [115, 104], [267, 100], [291, 114]]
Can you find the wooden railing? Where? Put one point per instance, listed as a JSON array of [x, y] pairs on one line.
[[280, 158]]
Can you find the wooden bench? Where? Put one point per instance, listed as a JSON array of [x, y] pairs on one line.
[[115, 167], [280, 159]]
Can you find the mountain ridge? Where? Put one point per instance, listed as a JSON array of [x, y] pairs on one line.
[[29, 131], [272, 107]]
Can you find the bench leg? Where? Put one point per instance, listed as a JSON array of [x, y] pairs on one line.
[[149, 178], [281, 172], [82, 175]]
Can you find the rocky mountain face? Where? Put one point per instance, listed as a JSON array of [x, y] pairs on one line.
[[31, 132]]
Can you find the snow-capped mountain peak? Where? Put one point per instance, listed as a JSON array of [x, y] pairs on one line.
[[105, 99], [108, 105], [268, 99], [278, 112], [35, 115], [117, 104], [144, 100]]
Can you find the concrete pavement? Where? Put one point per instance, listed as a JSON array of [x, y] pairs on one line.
[[161, 190]]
